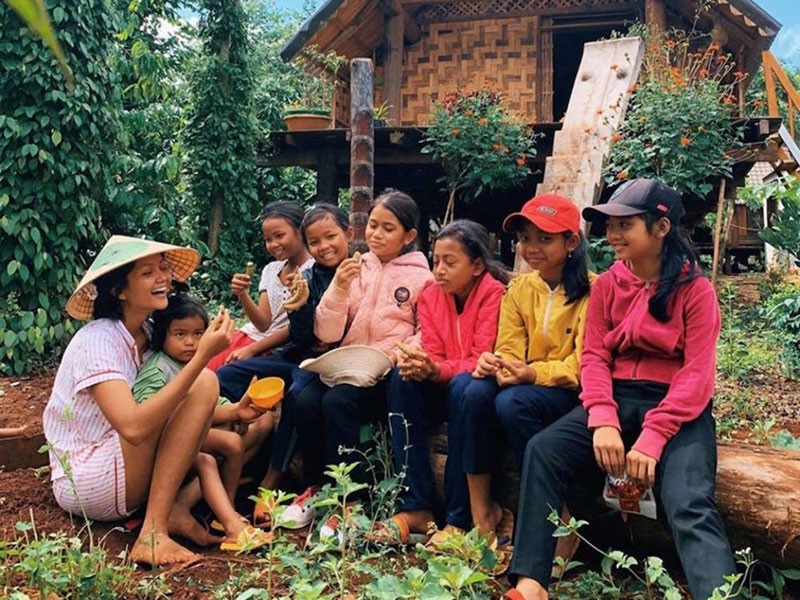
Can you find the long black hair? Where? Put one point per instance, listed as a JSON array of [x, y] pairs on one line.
[[179, 307], [575, 276], [107, 304], [675, 255], [475, 239], [402, 206]]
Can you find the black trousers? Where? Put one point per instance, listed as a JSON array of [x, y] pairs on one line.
[[685, 481], [330, 418]]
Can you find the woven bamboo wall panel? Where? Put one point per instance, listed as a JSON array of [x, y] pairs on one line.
[[502, 51], [482, 8]]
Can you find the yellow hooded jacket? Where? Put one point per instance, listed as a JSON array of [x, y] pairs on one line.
[[537, 326]]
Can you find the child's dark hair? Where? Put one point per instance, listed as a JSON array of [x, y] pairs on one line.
[[287, 210], [179, 307], [320, 211], [575, 277], [107, 305], [676, 253], [475, 239], [402, 206]]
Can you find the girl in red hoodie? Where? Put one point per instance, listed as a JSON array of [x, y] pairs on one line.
[[458, 317], [647, 372]]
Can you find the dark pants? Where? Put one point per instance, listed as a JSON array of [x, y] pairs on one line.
[[413, 408], [477, 431], [235, 378], [685, 478], [524, 410], [327, 418]]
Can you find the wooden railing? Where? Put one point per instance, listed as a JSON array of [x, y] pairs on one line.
[[773, 70]]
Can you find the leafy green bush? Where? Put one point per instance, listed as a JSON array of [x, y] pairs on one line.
[[782, 313], [478, 144], [57, 156], [678, 126]]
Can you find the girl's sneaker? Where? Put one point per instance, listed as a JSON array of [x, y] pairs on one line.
[[300, 512], [331, 532]]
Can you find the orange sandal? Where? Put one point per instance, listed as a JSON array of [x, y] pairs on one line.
[[396, 532]]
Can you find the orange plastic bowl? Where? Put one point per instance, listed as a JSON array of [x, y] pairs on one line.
[[266, 392]]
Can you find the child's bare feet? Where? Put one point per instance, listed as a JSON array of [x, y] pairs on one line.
[[156, 549], [489, 521], [182, 523]]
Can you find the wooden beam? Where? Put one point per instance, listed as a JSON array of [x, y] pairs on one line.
[[393, 66]]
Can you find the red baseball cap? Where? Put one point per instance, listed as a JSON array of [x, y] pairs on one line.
[[549, 212]]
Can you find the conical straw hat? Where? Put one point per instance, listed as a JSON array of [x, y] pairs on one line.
[[121, 250], [361, 366]]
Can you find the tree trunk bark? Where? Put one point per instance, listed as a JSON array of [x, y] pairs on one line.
[[362, 144]]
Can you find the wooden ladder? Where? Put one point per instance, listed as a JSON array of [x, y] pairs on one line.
[[772, 70]]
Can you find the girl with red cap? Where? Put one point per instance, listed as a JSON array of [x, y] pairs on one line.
[[532, 378]]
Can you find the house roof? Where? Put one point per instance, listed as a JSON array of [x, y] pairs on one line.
[[355, 26]]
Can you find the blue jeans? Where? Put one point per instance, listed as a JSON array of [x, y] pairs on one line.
[[685, 477], [524, 410], [413, 408]]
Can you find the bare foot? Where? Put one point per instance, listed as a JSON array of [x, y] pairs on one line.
[[488, 523], [156, 549], [182, 523], [419, 521]]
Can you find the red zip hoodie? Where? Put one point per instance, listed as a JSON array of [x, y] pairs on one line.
[[624, 341], [454, 340]]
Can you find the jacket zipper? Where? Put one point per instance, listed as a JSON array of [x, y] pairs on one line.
[[633, 335], [374, 302], [547, 312], [458, 336]]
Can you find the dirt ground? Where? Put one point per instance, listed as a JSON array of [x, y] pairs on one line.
[[25, 494]]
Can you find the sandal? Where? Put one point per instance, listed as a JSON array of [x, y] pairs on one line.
[[512, 595], [505, 528], [502, 551], [261, 512], [395, 532], [217, 526], [248, 539]]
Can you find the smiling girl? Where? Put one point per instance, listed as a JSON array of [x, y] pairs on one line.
[[532, 379], [268, 326], [648, 374], [458, 317], [371, 301]]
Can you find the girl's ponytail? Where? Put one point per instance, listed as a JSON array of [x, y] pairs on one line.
[[677, 253], [576, 270]]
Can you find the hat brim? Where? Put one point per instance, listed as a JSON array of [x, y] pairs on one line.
[[601, 211], [121, 250], [356, 365], [514, 222]]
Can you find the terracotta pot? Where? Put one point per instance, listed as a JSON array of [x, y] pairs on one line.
[[307, 119]]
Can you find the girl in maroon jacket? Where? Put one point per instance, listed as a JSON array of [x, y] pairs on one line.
[[647, 371], [458, 317]]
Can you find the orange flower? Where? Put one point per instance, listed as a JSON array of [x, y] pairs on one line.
[[685, 141], [738, 75], [671, 43], [632, 88], [454, 131], [616, 137], [469, 113], [483, 122], [729, 99], [622, 175], [614, 65], [703, 72], [758, 103], [497, 146], [521, 161], [714, 46]]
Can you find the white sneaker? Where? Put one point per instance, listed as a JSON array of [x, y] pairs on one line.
[[300, 512], [331, 529]]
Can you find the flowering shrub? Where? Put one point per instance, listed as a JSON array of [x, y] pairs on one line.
[[678, 128], [479, 145]]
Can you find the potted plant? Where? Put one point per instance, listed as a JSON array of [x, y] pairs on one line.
[[380, 114], [316, 77]]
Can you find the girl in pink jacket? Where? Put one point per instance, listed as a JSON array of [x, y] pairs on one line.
[[371, 301], [458, 315]]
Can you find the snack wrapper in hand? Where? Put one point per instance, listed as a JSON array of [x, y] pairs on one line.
[[625, 495]]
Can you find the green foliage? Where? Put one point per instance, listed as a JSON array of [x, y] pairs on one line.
[[57, 157], [781, 312], [478, 144], [783, 231], [56, 564], [678, 126], [601, 254], [316, 78]]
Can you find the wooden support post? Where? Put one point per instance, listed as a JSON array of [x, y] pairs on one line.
[[655, 15], [718, 232], [393, 67], [362, 144]]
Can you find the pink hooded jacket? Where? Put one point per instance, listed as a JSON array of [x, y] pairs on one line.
[[381, 307]]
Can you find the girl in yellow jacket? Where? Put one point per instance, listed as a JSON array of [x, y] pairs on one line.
[[532, 378]]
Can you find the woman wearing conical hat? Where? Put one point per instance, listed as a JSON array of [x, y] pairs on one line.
[[108, 455]]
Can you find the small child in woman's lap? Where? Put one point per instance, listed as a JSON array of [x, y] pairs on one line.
[[176, 332]]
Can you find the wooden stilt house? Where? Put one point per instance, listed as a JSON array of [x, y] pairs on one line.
[[529, 49]]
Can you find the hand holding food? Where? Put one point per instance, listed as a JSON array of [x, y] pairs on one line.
[[217, 336], [248, 269], [488, 364], [514, 372], [299, 293], [347, 271]]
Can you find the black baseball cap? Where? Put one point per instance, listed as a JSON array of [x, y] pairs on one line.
[[636, 197]]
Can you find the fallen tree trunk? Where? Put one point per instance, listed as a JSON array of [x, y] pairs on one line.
[[757, 495]]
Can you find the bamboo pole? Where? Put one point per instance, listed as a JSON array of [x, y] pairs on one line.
[[718, 232], [362, 144]]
